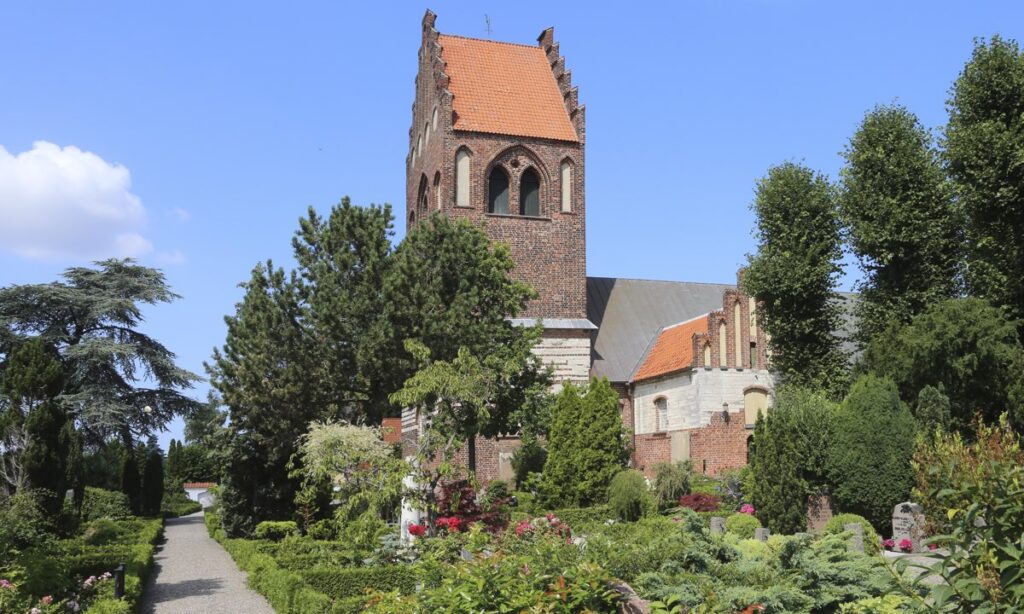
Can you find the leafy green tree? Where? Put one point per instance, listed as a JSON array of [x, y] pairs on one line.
[[342, 260], [152, 479], [39, 437], [984, 146], [267, 378], [932, 411], [112, 371], [872, 445], [586, 446], [966, 347], [903, 226], [794, 273], [787, 457]]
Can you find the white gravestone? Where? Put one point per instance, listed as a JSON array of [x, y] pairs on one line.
[[410, 514], [908, 523]]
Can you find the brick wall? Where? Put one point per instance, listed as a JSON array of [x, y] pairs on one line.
[[549, 250], [714, 448]]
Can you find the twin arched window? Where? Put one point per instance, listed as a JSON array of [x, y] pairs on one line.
[[498, 193], [529, 193]]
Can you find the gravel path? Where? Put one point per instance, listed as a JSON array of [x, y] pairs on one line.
[[192, 574]]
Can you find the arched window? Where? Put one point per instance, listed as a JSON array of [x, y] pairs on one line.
[[433, 120], [497, 191], [462, 178], [437, 189], [419, 146], [737, 315], [421, 195], [412, 218], [707, 355], [660, 414], [529, 193], [752, 306], [566, 186], [753, 355], [723, 345]]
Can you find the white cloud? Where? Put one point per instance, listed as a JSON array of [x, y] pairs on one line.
[[181, 214], [62, 202], [175, 256]]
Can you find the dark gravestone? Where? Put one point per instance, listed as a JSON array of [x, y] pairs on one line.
[[908, 523]]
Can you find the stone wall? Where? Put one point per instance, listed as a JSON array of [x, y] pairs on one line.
[[693, 397]]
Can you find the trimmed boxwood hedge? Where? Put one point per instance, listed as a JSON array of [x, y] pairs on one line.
[[345, 582], [138, 559]]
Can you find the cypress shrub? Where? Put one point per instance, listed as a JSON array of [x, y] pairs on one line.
[[629, 496], [872, 446]]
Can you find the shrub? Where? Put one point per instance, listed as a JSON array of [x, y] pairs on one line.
[[23, 522], [872, 445], [671, 481], [323, 529], [742, 525], [497, 494], [276, 530], [576, 516], [528, 458], [629, 497], [178, 504], [586, 446], [100, 503], [352, 582], [788, 457], [101, 531], [871, 540], [699, 502]]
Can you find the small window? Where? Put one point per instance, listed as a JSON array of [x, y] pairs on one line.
[[497, 192], [753, 355], [419, 146], [426, 134], [422, 194], [566, 187], [661, 414], [723, 346], [529, 194], [707, 355], [462, 178], [433, 120], [437, 189]]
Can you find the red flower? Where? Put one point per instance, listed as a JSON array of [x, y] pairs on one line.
[[906, 545], [417, 530]]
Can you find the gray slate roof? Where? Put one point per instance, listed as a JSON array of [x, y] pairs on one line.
[[629, 313]]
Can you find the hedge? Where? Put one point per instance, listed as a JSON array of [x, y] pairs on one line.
[[138, 559], [743, 525], [342, 583]]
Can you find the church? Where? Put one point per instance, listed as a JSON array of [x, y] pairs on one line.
[[498, 137]]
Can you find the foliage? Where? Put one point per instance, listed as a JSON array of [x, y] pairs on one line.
[[131, 481], [91, 317], [794, 273], [285, 590], [871, 448], [948, 463], [24, 522], [586, 445], [788, 457], [837, 524], [275, 530], [205, 426], [152, 480], [671, 481], [353, 582], [903, 226], [191, 463], [967, 348], [178, 504], [932, 410], [629, 496], [742, 525], [700, 502], [528, 458], [984, 145], [100, 503], [887, 604], [984, 571]]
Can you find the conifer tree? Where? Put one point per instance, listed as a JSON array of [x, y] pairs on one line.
[[984, 146], [152, 479], [586, 445], [902, 223], [794, 273], [131, 481]]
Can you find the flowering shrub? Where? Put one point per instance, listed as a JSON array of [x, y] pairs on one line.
[[700, 502], [548, 525], [906, 545], [458, 502], [449, 523], [417, 530], [747, 508]]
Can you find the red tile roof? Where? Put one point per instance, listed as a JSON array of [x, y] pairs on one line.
[[391, 430], [503, 88], [199, 484], [673, 350]]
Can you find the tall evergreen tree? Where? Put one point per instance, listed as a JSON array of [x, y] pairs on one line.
[[794, 275], [112, 370], [267, 376], [586, 446], [152, 479], [902, 223], [131, 481], [984, 146]]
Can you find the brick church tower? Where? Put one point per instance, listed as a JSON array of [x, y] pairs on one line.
[[498, 137]]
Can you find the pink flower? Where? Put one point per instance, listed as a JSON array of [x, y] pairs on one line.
[[888, 544], [906, 545], [933, 546], [47, 600], [747, 508], [35, 611], [5, 584], [550, 516], [523, 527]]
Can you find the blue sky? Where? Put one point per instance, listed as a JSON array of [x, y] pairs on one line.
[[197, 133]]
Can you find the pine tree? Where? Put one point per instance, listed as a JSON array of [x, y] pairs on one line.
[[586, 446], [152, 479], [984, 146], [794, 275], [904, 228], [131, 481]]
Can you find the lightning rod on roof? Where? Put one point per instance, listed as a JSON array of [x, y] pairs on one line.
[[487, 22]]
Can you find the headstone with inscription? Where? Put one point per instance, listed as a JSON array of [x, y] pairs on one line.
[[908, 524], [856, 531], [717, 525], [761, 534]]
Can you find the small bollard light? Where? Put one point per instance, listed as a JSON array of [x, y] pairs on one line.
[[119, 581]]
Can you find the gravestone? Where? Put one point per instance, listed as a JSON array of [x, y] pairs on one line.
[[908, 523], [761, 534], [717, 525], [856, 536]]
